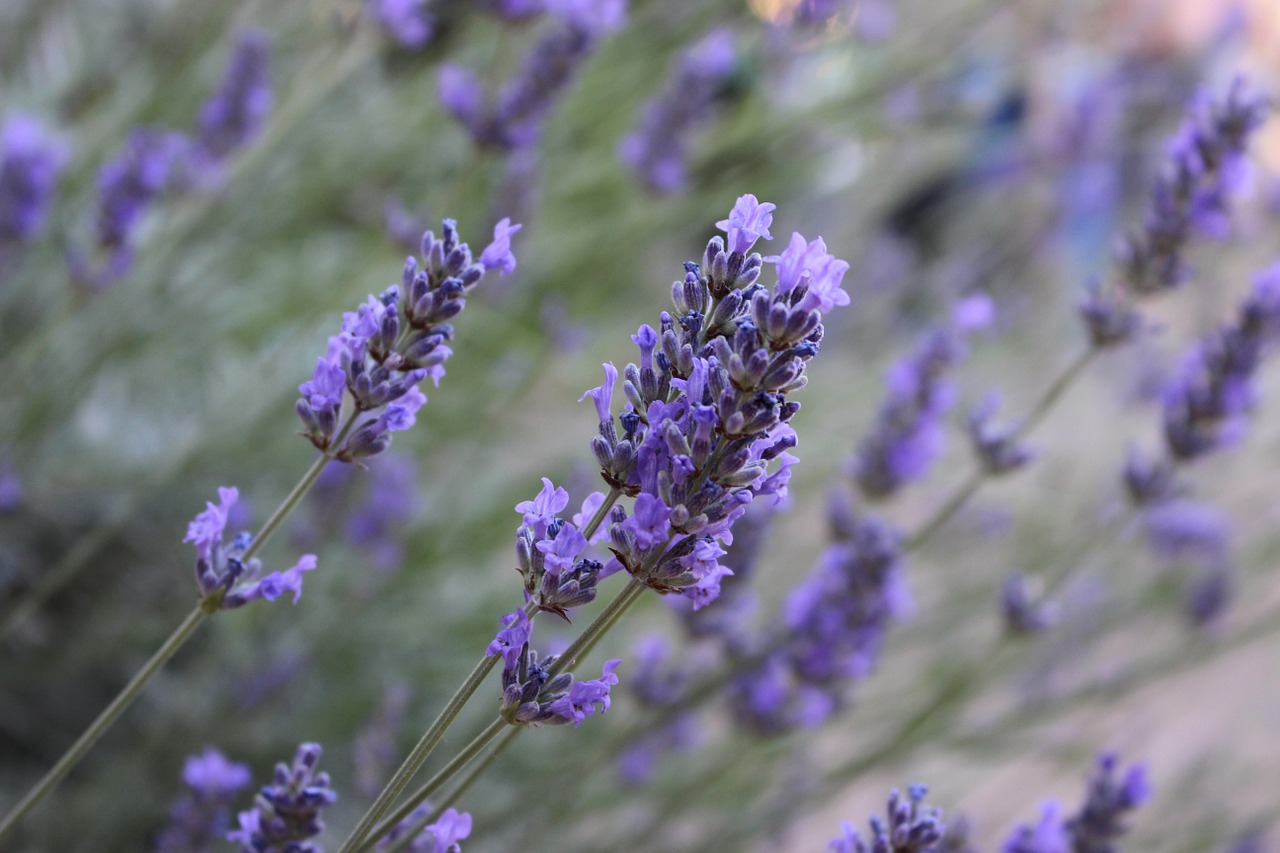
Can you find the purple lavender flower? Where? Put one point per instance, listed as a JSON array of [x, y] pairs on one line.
[[224, 578], [202, 815], [515, 120], [657, 150], [1206, 167], [1023, 614], [1110, 796], [31, 159], [234, 114], [407, 22], [287, 813], [585, 696], [151, 162], [392, 342], [908, 432], [1047, 836], [1207, 405], [440, 837], [511, 640], [11, 489], [912, 827], [1183, 528], [748, 222], [997, 446]]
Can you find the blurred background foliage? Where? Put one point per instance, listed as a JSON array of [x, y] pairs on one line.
[[942, 148]]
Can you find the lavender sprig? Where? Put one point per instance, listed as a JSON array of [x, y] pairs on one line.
[[287, 813], [911, 827], [31, 159], [656, 151], [515, 120], [234, 114]]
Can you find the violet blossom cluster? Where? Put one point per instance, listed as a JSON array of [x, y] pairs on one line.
[[1206, 168], [909, 431], [705, 418], [1206, 407], [288, 812], [407, 22], [515, 118], [225, 579], [833, 626], [391, 343], [154, 161], [657, 151], [236, 111], [202, 815], [31, 159], [1110, 797]]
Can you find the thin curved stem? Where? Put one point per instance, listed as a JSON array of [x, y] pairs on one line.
[[167, 650], [105, 720], [435, 732]]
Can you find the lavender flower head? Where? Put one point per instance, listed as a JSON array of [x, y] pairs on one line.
[[151, 162], [225, 579], [912, 827], [202, 815], [234, 114], [391, 343], [1207, 405], [1111, 795], [656, 152], [407, 22], [287, 813], [706, 406], [515, 119], [1206, 167], [1049, 835], [443, 836], [997, 446], [31, 159], [908, 433]]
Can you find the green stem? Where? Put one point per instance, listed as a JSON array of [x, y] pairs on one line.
[[461, 760], [176, 640], [1034, 416], [431, 738], [104, 721], [608, 617]]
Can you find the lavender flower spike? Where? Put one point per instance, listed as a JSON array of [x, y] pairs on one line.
[[1047, 836], [1111, 795], [31, 159], [656, 151], [406, 21], [388, 345], [233, 116], [287, 813]]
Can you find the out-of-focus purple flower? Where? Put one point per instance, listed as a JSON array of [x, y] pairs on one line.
[[1208, 594], [1205, 169], [912, 827], [1208, 404], [1184, 528], [997, 445], [31, 159], [1111, 795], [201, 816], [407, 22], [908, 433], [287, 813], [234, 114], [443, 836], [1023, 614], [127, 185], [656, 152], [1047, 836], [10, 488], [391, 500], [1149, 480], [515, 120]]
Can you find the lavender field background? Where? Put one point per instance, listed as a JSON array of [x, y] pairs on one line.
[[950, 152]]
